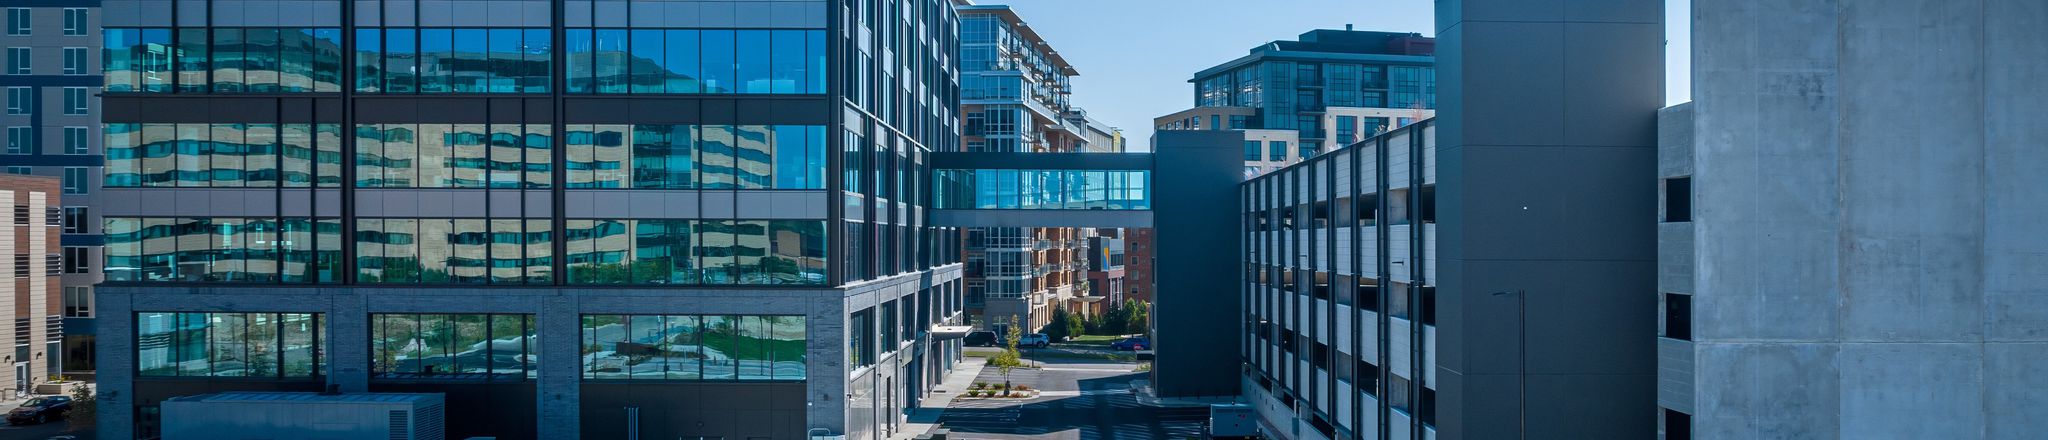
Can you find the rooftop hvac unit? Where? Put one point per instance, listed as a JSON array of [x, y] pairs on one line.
[[305, 416]]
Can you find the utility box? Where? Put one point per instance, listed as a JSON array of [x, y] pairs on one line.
[[305, 416], [1233, 421]]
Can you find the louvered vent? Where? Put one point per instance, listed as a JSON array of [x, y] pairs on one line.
[[431, 426], [400, 425]]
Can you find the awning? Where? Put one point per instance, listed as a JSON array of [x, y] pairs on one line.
[[944, 332]]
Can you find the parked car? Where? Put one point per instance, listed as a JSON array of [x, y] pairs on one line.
[[1131, 344], [1039, 340], [980, 339], [39, 410]]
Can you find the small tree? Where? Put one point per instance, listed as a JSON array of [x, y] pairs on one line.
[[1009, 358], [1072, 325], [84, 408]]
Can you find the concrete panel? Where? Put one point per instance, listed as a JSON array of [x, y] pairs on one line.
[[1767, 391], [2013, 402], [718, 204], [1886, 391], [2015, 250]]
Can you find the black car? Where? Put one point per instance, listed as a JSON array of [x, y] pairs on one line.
[[39, 410], [980, 339]]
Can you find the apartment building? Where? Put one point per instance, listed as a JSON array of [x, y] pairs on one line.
[[1340, 291], [1324, 90], [51, 77], [574, 218], [1015, 97], [34, 299]]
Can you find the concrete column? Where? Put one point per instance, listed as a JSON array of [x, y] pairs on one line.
[[825, 387], [1547, 185], [115, 346], [348, 319], [559, 384]]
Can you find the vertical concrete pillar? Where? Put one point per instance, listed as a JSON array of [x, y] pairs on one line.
[[348, 319], [559, 385], [825, 383], [1547, 177], [115, 347]]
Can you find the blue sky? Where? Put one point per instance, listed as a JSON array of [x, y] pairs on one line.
[[1135, 56]]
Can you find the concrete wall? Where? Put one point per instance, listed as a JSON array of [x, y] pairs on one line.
[[1547, 162], [1864, 275]]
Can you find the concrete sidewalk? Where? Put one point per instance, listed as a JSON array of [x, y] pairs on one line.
[[926, 416]]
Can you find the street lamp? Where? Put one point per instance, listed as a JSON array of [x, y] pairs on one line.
[[1522, 319]]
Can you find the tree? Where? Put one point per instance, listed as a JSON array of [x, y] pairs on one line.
[[1138, 318], [1009, 358], [1056, 327], [84, 408], [1115, 320]]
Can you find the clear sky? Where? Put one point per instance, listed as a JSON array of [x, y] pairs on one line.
[[1136, 56]]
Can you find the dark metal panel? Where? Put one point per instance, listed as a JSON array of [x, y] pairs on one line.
[[1202, 167]]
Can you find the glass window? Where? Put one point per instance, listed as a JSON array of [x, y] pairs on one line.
[[597, 251], [1278, 150], [228, 63], [76, 102], [437, 60], [682, 67], [662, 252], [261, 61], [489, 347], [754, 63], [796, 253], [651, 150], [815, 61], [749, 251], [715, 242], [721, 337], [539, 156], [754, 156], [402, 61], [467, 60], [369, 58], [468, 163], [596, 156], [720, 67], [387, 251], [787, 67], [716, 157], [612, 66], [579, 60], [273, 345], [648, 69], [536, 69], [504, 65]]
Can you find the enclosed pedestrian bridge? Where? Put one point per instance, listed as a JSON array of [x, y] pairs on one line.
[[1086, 190]]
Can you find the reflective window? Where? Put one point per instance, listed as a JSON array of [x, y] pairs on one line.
[[454, 251], [1042, 189], [650, 61], [488, 347], [262, 60], [689, 156], [223, 250], [452, 155], [273, 345], [686, 252], [222, 155], [694, 347]]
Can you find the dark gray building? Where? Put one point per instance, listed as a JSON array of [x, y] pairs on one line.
[[577, 219]]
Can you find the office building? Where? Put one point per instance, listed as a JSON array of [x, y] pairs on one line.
[[51, 79], [1829, 271], [574, 218], [33, 297], [1015, 98], [1340, 291]]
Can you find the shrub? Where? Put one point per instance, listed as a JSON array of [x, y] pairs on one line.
[[1022, 387], [980, 385], [1016, 394]]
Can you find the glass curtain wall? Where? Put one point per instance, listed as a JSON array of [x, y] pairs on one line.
[[488, 347], [223, 250], [694, 347], [268, 345], [696, 252]]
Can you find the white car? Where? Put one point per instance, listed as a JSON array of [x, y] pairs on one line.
[[1034, 340]]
